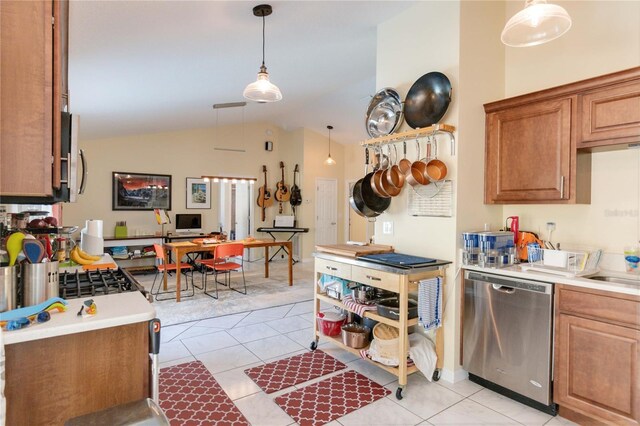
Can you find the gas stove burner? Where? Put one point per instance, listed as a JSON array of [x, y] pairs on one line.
[[96, 283]]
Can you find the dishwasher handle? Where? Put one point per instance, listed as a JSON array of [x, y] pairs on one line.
[[501, 281], [503, 289]]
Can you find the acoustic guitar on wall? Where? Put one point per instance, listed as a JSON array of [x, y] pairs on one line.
[[296, 195], [264, 195], [282, 191]]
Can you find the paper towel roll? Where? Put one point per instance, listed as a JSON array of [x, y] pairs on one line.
[[93, 227], [92, 245]]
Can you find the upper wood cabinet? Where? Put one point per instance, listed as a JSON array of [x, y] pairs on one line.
[[538, 146], [32, 38], [528, 152]]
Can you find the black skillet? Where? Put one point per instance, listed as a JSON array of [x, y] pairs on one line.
[[363, 200], [427, 100]]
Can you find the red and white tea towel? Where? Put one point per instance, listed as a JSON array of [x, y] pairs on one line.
[[357, 308]]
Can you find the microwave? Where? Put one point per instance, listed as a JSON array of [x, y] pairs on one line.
[[72, 158]]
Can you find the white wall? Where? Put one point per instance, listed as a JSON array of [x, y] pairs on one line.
[[419, 40], [604, 38]]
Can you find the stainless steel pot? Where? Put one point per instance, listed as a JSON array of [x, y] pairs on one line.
[[364, 294], [40, 281], [355, 335]]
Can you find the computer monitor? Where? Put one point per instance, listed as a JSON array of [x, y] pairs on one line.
[[189, 223]]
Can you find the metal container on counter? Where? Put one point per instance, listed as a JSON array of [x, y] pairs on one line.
[[8, 288], [40, 281]]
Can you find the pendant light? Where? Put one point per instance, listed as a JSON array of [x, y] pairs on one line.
[[262, 90], [329, 161], [538, 23]]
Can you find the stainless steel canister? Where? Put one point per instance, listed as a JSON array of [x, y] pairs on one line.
[[40, 281], [8, 288]]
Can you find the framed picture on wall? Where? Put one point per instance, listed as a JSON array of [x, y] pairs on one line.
[[140, 191], [198, 193]]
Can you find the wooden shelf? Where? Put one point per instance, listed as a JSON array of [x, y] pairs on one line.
[[424, 131], [367, 314], [393, 370]]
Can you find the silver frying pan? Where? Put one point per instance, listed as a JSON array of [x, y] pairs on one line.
[[384, 114]]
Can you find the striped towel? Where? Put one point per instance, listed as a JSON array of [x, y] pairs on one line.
[[430, 303], [355, 307]]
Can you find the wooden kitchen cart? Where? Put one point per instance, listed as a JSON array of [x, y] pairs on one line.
[[398, 280]]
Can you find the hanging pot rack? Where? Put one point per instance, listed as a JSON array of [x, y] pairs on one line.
[[415, 133]]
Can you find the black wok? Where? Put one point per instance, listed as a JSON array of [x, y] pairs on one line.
[[427, 100]]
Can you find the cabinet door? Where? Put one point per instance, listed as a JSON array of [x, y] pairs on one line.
[[610, 115], [26, 100], [597, 369], [528, 153]]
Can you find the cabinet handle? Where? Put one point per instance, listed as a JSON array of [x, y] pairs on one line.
[[372, 278], [331, 268], [562, 187]]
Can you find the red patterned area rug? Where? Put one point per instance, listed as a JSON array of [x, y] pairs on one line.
[[290, 371], [189, 395], [331, 398]]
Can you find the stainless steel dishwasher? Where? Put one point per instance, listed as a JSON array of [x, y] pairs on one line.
[[507, 336]]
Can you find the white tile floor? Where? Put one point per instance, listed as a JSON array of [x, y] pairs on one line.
[[229, 345]]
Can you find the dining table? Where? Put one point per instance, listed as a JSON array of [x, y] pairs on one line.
[[182, 248]]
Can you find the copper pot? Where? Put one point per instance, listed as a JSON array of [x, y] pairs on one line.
[[377, 182], [394, 176], [418, 172]]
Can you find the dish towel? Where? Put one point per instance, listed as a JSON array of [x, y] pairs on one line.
[[357, 308], [430, 303]]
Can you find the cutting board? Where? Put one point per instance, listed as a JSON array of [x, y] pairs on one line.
[[105, 262], [349, 250]]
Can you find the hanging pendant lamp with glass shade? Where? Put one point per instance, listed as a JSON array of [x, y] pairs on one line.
[[538, 23], [262, 90], [329, 161]]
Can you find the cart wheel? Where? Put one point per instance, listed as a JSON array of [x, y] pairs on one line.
[[436, 375], [314, 345], [399, 393]]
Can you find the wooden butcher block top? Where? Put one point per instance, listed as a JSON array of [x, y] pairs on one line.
[[352, 250]]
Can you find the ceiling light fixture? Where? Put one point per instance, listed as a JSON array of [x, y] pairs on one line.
[[536, 24], [262, 90], [329, 161]]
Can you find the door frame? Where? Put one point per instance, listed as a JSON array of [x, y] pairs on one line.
[[335, 180]]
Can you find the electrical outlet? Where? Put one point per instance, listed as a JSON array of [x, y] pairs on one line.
[[387, 228]]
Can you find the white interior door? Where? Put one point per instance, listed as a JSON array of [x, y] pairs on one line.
[[326, 211]]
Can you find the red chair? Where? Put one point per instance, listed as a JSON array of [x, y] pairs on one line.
[[225, 260], [170, 267]]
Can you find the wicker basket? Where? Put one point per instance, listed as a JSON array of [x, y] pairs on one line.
[[387, 338]]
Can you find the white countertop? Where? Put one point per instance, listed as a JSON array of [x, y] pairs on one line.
[[517, 272], [112, 310]]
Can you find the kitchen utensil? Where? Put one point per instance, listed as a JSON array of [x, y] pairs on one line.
[[427, 100], [436, 169], [355, 335], [330, 323], [418, 172], [46, 243], [404, 164], [364, 294], [384, 113], [390, 308], [14, 246], [33, 250], [515, 225], [376, 180], [368, 198], [350, 250], [8, 288], [356, 200], [394, 176]]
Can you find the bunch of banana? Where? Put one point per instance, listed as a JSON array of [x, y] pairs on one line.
[[82, 258]]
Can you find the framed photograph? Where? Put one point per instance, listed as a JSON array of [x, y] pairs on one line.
[[198, 193], [140, 191]]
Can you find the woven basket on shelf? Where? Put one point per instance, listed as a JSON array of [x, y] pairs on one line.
[[387, 338]]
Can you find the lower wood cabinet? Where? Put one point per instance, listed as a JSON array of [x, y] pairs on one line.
[[597, 356]]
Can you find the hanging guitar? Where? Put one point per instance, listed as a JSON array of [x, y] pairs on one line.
[[296, 195], [282, 192], [264, 195]]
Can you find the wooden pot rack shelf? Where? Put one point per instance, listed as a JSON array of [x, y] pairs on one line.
[[415, 133]]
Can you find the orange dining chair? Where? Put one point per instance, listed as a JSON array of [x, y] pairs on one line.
[[225, 260], [170, 267]]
